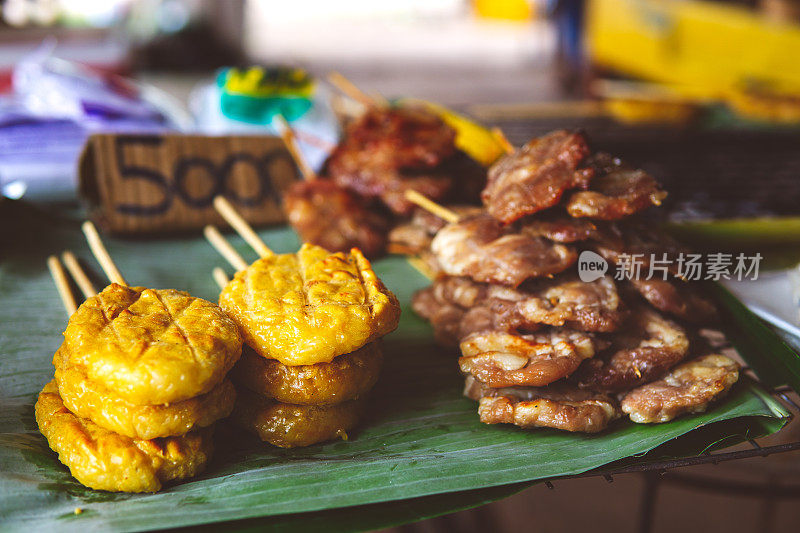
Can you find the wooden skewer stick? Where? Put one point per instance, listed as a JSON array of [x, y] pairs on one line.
[[350, 89], [290, 140], [77, 273], [220, 277], [101, 254], [428, 204], [62, 284], [501, 138], [224, 248], [245, 230]]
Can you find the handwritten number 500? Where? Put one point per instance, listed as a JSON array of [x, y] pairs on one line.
[[177, 186]]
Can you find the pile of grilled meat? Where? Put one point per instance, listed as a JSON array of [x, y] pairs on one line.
[[361, 193], [541, 348]]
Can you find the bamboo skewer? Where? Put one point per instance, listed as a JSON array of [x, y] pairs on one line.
[[245, 230], [290, 140], [101, 254], [224, 248], [220, 277], [429, 205], [77, 273], [351, 90], [62, 284]]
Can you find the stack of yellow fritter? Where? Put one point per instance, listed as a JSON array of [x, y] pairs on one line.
[[140, 379], [312, 322]]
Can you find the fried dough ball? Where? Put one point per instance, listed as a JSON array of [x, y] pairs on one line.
[[104, 460], [289, 426], [87, 399], [502, 359], [346, 377], [688, 388], [152, 346], [308, 307], [558, 406]]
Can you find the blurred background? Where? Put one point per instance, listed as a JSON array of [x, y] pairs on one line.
[[705, 95]]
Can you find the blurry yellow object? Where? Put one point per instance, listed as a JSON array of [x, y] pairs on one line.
[[640, 102], [633, 111], [707, 46], [503, 9], [763, 106], [478, 142]]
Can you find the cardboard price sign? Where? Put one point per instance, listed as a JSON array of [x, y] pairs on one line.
[[148, 183]]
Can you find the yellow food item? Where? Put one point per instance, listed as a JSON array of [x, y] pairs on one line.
[[104, 460], [288, 426], [346, 377], [308, 307], [87, 399], [152, 346]]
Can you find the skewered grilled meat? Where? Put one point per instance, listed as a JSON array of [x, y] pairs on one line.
[[558, 406], [389, 151], [688, 388], [481, 248], [335, 218], [643, 350], [502, 359], [616, 191], [621, 242], [456, 307], [445, 317], [535, 176], [588, 306], [678, 299], [414, 237], [559, 228]]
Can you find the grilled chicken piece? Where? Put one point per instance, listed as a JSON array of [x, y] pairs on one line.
[[678, 299], [642, 350], [616, 191], [481, 248], [558, 406], [335, 218], [688, 388], [502, 359], [535, 176]]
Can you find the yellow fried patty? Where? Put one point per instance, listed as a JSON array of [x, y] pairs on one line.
[[288, 426], [346, 377], [152, 346], [104, 460], [308, 307], [88, 399]]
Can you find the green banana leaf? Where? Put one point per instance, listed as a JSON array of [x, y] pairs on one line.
[[420, 452]]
